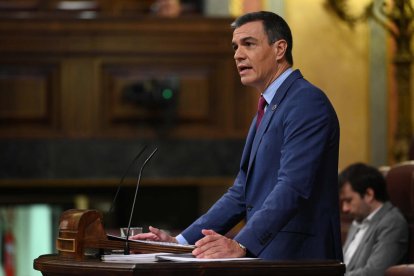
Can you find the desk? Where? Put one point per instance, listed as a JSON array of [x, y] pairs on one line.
[[52, 265]]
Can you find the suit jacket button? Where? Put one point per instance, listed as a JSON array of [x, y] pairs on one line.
[[249, 208]]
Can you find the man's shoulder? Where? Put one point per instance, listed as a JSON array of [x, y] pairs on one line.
[[391, 214], [306, 93], [300, 84]]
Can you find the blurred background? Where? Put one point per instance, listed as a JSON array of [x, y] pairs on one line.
[[86, 85]]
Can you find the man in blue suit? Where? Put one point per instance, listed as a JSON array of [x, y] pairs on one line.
[[286, 189]]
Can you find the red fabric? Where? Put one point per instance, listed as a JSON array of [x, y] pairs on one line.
[[8, 254]]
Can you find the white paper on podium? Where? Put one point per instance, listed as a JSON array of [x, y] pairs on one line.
[[191, 258], [132, 258]]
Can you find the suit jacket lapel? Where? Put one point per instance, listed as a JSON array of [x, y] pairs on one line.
[[270, 111], [373, 223], [248, 146]]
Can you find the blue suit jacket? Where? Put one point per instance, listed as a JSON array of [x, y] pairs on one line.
[[287, 187]]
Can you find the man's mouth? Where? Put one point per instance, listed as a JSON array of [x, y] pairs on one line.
[[243, 69]]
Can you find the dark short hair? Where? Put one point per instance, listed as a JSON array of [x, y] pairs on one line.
[[275, 27], [361, 177]]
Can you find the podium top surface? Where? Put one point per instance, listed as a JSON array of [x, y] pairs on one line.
[[54, 265]]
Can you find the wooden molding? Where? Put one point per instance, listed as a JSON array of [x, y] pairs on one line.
[[89, 183]]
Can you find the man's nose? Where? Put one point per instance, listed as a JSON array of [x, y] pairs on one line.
[[238, 54], [345, 208]]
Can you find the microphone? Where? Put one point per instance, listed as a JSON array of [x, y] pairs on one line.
[[123, 177], [126, 249]]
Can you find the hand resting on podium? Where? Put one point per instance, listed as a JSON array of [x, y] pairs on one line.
[[155, 234], [212, 246]]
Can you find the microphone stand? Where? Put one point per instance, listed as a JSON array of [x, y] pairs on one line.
[[123, 177], [126, 249]]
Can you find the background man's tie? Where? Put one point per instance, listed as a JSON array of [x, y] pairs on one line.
[[260, 110]]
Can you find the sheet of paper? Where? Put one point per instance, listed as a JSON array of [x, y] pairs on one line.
[[132, 258], [191, 258]]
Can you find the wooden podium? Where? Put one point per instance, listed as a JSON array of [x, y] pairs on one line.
[[53, 265], [80, 230]]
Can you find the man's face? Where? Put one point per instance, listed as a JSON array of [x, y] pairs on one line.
[[255, 58], [353, 204]]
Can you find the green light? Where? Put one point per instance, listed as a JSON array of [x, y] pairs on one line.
[[167, 94]]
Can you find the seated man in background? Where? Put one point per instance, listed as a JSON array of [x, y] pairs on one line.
[[174, 8], [378, 236], [168, 8]]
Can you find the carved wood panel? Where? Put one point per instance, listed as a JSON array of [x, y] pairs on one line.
[[29, 95], [70, 78], [198, 100]]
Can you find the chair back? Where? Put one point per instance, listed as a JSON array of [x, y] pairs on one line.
[[400, 185]]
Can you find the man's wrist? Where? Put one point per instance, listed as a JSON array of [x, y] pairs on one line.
[[242, 247]]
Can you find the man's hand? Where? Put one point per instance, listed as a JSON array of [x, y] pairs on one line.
[[216, 246], [155, 234]]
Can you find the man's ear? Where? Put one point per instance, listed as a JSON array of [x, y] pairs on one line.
[[280, 48], [369, 194]]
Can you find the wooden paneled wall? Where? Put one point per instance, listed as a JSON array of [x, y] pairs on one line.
[[61, 76]]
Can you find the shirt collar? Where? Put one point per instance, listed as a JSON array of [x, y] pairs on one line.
[[270, 91], [374, 212]]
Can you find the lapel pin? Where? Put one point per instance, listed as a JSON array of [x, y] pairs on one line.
[[274, 107]]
